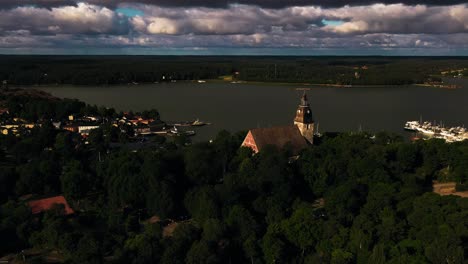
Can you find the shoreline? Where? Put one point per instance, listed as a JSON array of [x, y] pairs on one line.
[[304, 85], [260, 83]]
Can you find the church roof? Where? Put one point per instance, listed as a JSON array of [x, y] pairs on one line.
[[279, 137]]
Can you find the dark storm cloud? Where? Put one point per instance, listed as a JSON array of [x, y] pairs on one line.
[[5, 4]]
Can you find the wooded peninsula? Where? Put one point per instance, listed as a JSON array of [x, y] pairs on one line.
[[328, 70]]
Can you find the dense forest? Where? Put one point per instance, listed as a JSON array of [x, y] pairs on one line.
[[350, 198], [108, 70]]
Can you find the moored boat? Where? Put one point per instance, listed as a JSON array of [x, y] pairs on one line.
[[176, 132], [198, 123]]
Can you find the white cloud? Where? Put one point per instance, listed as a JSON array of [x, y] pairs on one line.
[[83, 18], [373, 26], [401, 19], [162, 26]]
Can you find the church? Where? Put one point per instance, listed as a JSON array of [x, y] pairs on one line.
[[297, 136]]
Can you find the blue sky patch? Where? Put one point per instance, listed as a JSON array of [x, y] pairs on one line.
[[130, 12], [332, 22]]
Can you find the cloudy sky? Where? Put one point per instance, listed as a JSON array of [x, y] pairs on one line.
[[252, 27]]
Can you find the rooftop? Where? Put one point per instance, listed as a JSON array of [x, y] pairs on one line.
[[279, 137], [41, 205]]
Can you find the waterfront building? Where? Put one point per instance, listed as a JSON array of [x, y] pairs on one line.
[[295, 137], [14, 129], [142, 129], [71, 127], [86, 129]]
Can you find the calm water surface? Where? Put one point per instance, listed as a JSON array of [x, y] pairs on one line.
[[242, 106]]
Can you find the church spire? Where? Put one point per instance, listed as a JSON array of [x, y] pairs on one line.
[[304, 101]]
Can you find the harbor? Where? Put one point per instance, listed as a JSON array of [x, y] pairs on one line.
[[433, 130], [239, 107], [174, 129]]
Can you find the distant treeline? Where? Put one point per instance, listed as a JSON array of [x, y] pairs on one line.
[[109, 70]]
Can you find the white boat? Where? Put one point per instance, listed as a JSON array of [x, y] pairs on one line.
[[198, 123], [426, 131], [412, 125], [177, 132], [174, 130]]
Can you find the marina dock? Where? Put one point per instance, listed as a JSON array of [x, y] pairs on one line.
[[449, 134]]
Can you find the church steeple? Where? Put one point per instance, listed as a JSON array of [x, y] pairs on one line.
[[304, 101], [304, 119]]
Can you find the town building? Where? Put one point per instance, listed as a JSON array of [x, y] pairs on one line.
[[14, 129], [83, 129], [138, 120], [71, 127], [86, 129], [142, 129], [295, 137]]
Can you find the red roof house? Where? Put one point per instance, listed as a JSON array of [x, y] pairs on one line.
[[42, 205]]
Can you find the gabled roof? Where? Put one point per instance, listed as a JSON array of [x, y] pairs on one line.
[[279, 137], [42, 205]]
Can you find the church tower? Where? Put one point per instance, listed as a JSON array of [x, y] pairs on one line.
[[304, 120]]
